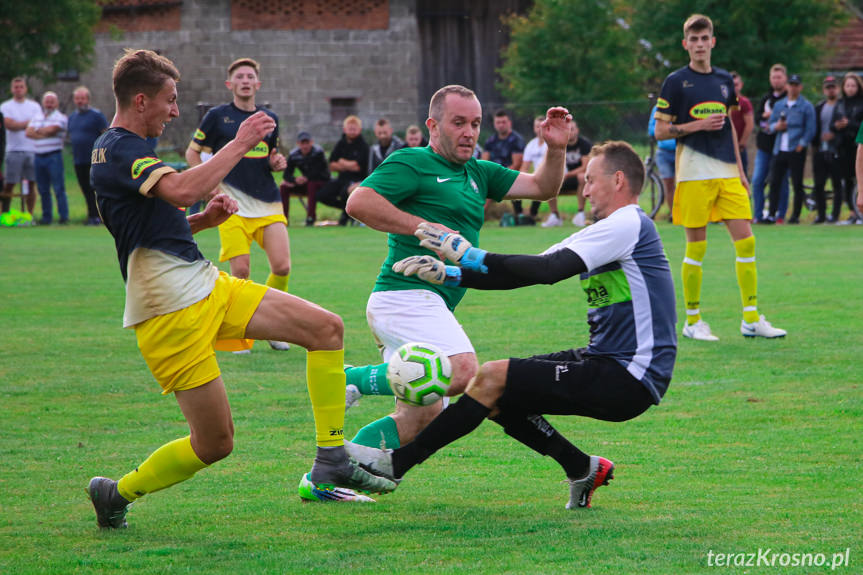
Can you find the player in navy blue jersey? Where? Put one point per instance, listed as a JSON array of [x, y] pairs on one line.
[[180, 304], [694, 107], [260, 216]]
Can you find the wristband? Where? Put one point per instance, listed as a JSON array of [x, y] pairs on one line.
[[472, 260], [452, 276]]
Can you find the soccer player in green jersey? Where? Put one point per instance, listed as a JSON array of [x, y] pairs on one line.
[[442, 184]]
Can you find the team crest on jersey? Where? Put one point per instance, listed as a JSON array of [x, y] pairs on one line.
[[199, 135], [228, 120], [474, 186], [707, 109], [724, 89], [141, 164], [261, 150]]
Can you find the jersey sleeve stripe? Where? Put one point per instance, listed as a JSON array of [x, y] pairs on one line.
[[664, 117], [154, 177], [193, 145]]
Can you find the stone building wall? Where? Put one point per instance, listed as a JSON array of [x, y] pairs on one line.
[[301, 69]]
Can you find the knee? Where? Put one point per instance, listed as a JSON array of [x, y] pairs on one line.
[[329, 332], [240, 271], [490, 380], [462, 372], [282, 268], [216, 447]]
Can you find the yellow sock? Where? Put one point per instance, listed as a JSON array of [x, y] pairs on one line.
[[747, 277], [325, 372], [278, 282], [172, 463], [692, 279]]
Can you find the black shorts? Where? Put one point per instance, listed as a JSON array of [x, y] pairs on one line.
[[568, 383]]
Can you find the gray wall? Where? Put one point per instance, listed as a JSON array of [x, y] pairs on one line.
[[301, 69]]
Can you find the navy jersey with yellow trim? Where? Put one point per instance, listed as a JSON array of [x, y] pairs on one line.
[[124, 170], [688, 95], [252, 175]]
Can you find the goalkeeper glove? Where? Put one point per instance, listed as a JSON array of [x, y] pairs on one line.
[[452, 246], [429, 269]]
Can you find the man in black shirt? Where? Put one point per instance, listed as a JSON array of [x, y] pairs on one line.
[[311, 161], [350, 159]]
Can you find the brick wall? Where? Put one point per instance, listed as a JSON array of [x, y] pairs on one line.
[[300, 69]]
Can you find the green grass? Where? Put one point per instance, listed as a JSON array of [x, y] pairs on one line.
[[756, 445]]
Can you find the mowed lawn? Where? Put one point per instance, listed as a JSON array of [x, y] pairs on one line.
[[756, 445]]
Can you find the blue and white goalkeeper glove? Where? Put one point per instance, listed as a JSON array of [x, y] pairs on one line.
[[452, 246], [429, 269]]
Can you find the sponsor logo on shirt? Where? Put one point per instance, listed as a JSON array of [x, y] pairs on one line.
[[199, 135], [662, 103], [707, 109], [141, 164], [688, 84], [261, 150], [474, 186]]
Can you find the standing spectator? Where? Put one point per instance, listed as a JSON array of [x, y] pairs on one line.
[[85, 125], [534, 155], [350, 158], [793, 120], [824, 161], [311, 161], [387, 144], [414, 137], [20, 150], [577, 150], [48, 130], [506, 147], [665, 161], [744, 121], [764, 140], [2, 156], [859, 169], [847, 118]]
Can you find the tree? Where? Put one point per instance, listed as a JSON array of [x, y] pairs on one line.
[[575, 53], [43, 39], [750, 36]]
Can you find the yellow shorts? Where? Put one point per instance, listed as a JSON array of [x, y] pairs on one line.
[[178, 346], [237, 233], [699, 202]]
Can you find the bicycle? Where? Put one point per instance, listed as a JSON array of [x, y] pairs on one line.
[[653, 191]]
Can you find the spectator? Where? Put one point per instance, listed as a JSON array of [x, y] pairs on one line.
[[387, 143], [764, 140], [534, 154], [414, 137], [2, 155], [48, 130], [20, 150], [350, 159], [793, 120], [824, 163], [665, 159], [506, 147], [85, 125], [311, 161], [577, 150], [743, 120], [847, 117]]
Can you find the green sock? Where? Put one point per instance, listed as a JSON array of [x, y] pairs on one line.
[[369, 379], [382, 434]]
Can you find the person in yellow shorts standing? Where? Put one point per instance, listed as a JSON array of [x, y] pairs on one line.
[[180, 304], [260, 216], [694, 106]]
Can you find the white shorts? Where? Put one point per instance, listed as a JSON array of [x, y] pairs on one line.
[[399, 317]]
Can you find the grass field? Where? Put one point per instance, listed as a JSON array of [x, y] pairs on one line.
[[757, 444]]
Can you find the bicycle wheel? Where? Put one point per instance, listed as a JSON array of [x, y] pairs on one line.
[[652, 194]]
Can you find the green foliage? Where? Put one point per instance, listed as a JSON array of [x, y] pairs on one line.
[[572, 53], [42, 39], [750, 36]]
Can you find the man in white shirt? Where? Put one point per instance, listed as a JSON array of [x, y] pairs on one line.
[[47, 130], [20, 150]]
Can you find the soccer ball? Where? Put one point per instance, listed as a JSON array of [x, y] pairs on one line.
[[419, 373]]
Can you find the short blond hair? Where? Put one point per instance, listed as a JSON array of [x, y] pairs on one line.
[[437, 101], [352, 119], [779, 68], [253, 64], [141, 72], [697, 22]]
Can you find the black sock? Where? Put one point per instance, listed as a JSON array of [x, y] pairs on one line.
[[537, 433], [454, 422]]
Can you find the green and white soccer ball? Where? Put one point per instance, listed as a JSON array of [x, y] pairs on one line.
[[419, 373]]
